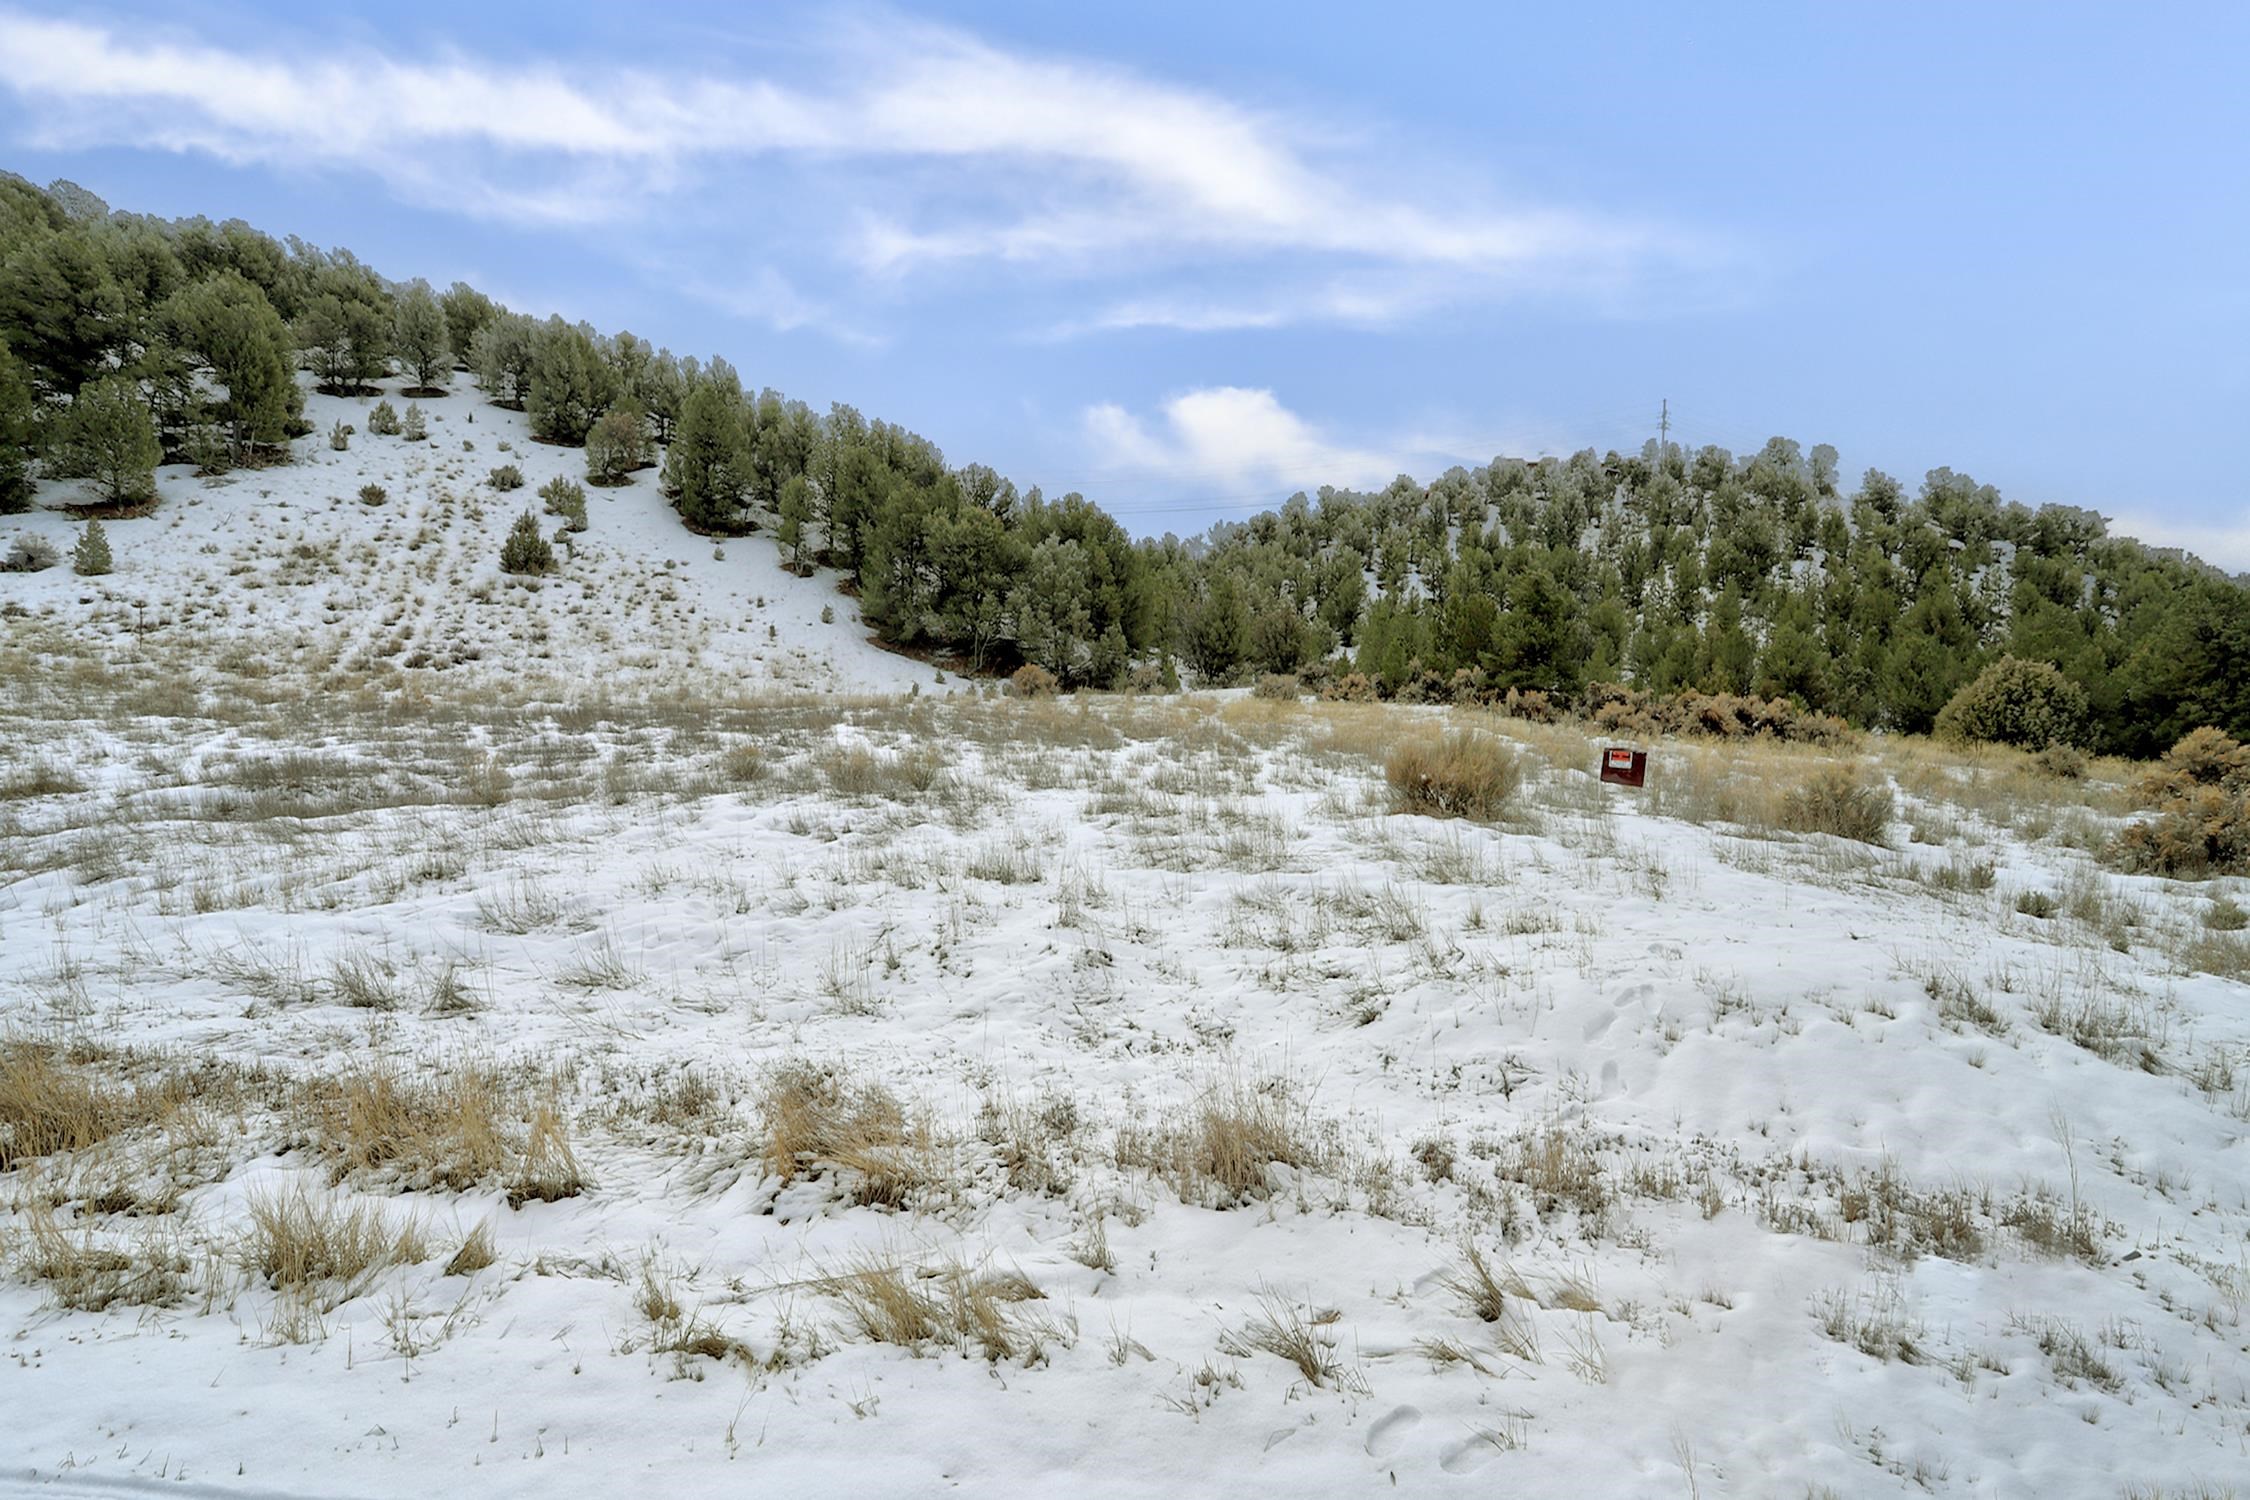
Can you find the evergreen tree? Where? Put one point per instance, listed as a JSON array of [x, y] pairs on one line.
[[796, 515], [90, 558], [62, 311], [568, 385], [111, 439], [420, 335], [347, 341], [617, 444], [526, 551], [226, 324], [704, 472], [15, 435], [467, 311]]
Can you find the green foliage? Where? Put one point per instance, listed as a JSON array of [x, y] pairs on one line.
[[346, 336], [705, 473], [227, 325], [373, 494], [110, 438], [565, 498], [795, 517], [422, 338], [467, 313], [617, 444], [526, 551], [568, 384], [413, 427], [504, 478], [2016, 702], [383, 420], [90, 558], [15, 435]]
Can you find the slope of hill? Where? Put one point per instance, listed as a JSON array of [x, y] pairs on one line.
[[945, 1092], [287, 564]]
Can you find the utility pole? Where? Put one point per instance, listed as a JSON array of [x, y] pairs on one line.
[[1664, 433]]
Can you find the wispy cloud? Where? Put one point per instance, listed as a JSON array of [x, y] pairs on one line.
[[931, 151], [1232, 438]]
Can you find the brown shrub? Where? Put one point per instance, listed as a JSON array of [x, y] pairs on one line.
[[1033, 681], [1280, 686], [1846, 801], [2200, 792], [1462, 775], [1351, 687]]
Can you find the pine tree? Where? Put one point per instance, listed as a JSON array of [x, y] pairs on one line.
[[796, 513], [420, 335], [526, 551], [617, 445], [704, 472], [111, 439], [413, 426], [90, 558], [15, 436]]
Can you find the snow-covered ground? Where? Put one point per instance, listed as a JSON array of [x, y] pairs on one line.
[[287, 561], [896, 1094]]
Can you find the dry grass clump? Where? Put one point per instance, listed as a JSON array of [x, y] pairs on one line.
[[1302, 1336], [1221, 1150], [296, 1240], [1560, 1169], [2200, 793], [856, 771], [41, 778], [548, 1169], [952, 1304], [1280, 687], [474, 1254], [816, 1116], [455, 1130], [1850, 802], [1876, 1325], [1907, 1223], [89, 1271], [47, 1105], [443, 1131], [1461, 775]]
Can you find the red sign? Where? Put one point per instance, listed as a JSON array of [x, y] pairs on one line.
[[1625, 766]]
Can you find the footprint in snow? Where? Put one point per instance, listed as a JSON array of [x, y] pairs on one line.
[[1390, 1431], [1470, 1454]]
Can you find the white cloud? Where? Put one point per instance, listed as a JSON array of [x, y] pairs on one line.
[[946, 151], [2226, 546], [1231, 436]]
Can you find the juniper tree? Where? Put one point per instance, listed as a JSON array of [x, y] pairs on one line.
[[796, 513], [111, 439], [467, 311], [526, 551], [617, 444], [413, 427], [568, 384], [420, 337], [15, 435], [705, 472]]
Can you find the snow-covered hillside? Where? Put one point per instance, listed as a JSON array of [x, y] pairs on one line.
[[289, 563], [737, 1059]]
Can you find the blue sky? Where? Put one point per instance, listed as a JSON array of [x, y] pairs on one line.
[[1187, 258]]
